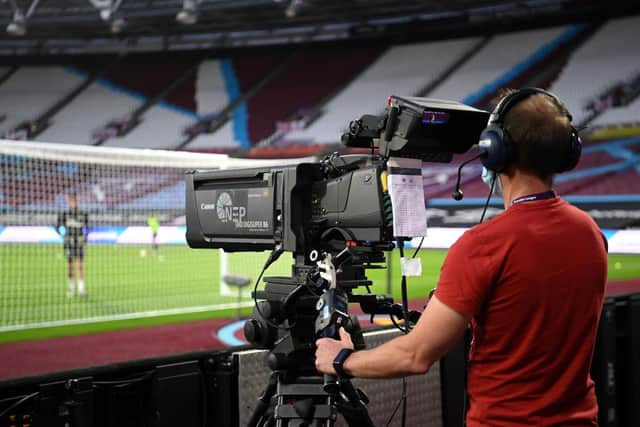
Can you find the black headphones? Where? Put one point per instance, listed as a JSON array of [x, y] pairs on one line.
[[497, 145]]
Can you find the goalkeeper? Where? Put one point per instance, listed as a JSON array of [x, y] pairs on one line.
[[76, 229], [154, 225]]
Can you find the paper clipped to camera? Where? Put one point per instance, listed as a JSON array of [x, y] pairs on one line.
[[406, 191]]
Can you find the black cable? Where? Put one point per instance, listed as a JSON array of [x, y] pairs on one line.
[[275, 254], [257, 306], [418, 248], [405, 313], [125, 383], [18, 403], [395, 322], [403, 290], [403, 398], [403, 421], [486, 205]]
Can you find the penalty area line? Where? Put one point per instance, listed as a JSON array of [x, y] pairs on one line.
[[124, 316]]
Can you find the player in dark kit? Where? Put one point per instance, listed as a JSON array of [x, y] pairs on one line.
[[76, 226]]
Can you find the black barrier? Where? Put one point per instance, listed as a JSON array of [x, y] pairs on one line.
[[453, 366], [221, 384], [189, 390], [202, 389], [180, 398], [628, 359], [604, 366]]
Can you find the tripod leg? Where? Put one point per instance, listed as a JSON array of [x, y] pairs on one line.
[[353, 409], [264, 400]]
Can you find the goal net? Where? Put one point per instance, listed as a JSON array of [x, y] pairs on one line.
[[94, 234]]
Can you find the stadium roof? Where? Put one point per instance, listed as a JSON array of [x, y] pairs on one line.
[[73, 26]]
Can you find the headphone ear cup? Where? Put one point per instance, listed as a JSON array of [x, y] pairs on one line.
[[492, 142], [575, 150]]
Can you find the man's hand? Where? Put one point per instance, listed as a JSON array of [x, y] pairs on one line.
[[327, 349]]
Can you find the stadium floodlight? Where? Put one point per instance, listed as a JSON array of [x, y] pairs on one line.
[[108, 10], [294, 7], [118, 24], [105, 14], [18, 26], [189, 13]]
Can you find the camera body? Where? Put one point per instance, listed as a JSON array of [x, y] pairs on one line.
[[299, 208], [314, 209]]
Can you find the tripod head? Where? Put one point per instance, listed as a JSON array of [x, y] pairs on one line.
[[292, 312]]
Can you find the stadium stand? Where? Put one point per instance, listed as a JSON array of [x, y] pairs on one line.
[[158, 121], [29, 92], [610, 55], [124, 93], [170, 197], [304, 82], [617, 115], [90, 110], [150, 75], [400, 70], [30, 129], [214, 92], [539, 69], [6, 72], [44, 187], [212, 95], [211, 92], [160, 127], [497, 61], [228, 127], [611, 167], [34, 188]]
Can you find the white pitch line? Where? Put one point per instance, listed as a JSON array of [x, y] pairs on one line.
[[125, 316]]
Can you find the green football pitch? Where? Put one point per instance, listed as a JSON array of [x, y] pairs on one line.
[[129, 286]]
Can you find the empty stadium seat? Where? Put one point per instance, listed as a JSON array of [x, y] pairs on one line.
[[497, 58], [92, 109], [30, 91], [610, 55], [401, 70]]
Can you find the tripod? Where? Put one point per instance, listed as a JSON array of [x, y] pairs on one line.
[[306, 403], [302, 396]]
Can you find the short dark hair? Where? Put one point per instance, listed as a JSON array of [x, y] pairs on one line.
[[539, 127]]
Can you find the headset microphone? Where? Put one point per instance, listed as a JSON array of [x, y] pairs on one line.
[[458, 194]]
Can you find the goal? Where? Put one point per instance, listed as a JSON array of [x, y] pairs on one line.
[[128, 270]]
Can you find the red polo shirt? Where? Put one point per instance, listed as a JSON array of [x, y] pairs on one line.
[[533, 278]]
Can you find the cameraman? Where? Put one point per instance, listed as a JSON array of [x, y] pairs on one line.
[[529, 281]]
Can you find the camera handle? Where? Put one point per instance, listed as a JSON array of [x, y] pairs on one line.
[[332, 314], [332, 307]]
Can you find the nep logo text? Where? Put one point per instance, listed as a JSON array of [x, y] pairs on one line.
[[225, 210]]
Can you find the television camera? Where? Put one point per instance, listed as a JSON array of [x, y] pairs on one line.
[[334, 217]]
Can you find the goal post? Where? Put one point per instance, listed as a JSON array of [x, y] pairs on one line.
[[114, 219], [249, 265]]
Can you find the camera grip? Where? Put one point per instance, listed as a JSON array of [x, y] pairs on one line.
[[331, 385]]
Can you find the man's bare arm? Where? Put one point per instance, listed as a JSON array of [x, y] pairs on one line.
[[436, 332]]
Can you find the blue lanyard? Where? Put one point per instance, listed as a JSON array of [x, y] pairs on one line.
[[535, 197]]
